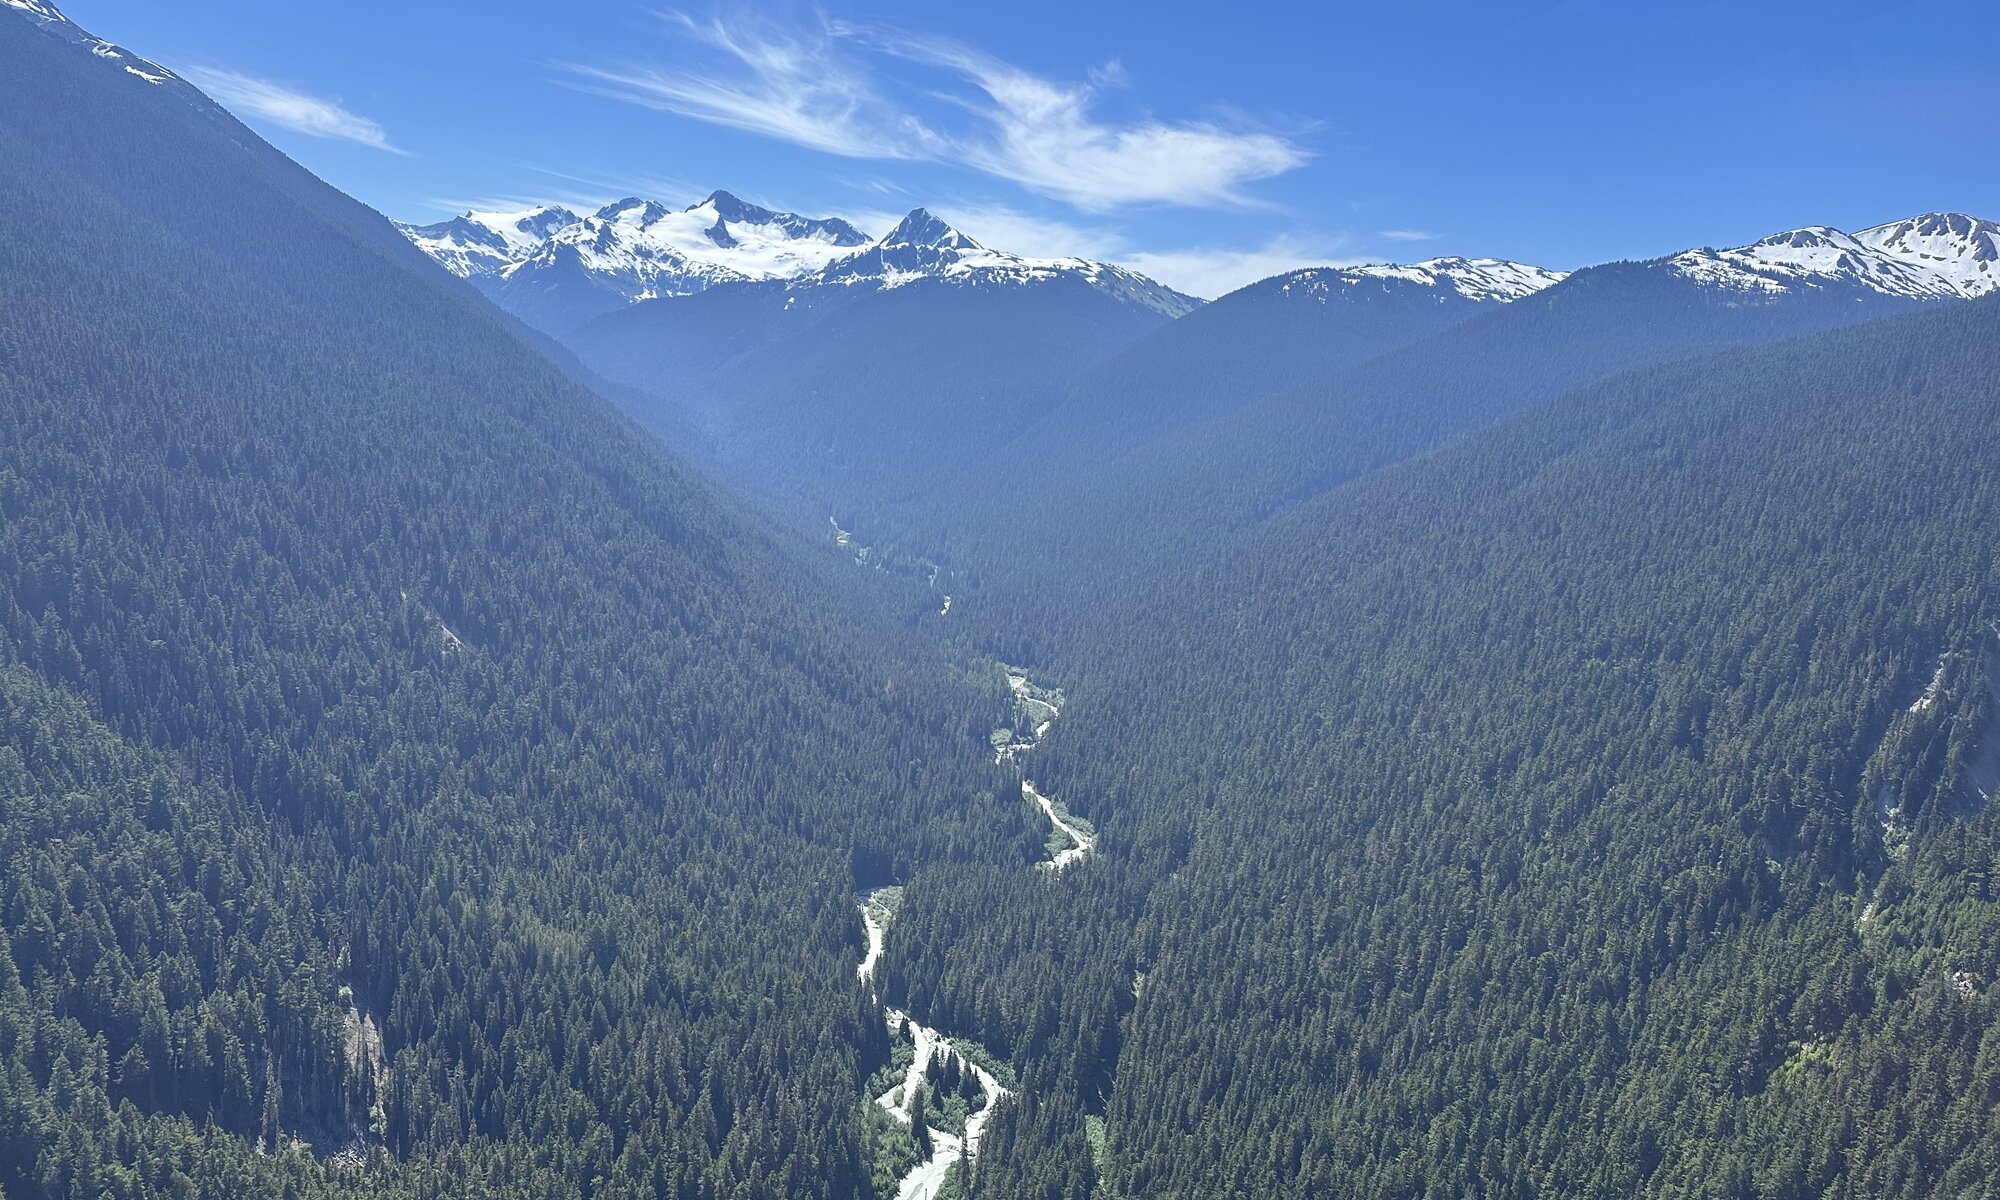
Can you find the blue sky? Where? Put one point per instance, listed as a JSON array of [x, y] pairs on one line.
[[1206, 145]]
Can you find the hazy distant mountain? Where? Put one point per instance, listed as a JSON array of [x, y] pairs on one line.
[[1478, 280], [889, 364], [479, 244], [1302, 384], [1274, 335]]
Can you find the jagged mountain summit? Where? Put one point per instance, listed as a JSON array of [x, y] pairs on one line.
[[556, 269], [1936, 256], [923, 246], [720, 240], [488, 243], [655, 250], [1480, 280]]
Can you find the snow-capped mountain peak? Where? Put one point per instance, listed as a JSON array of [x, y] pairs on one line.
[[729, 213], [925, 230], [923, 247], [1962, 250], [630, 249], [1480, 280], [1937, 256], [632, 211], [484, 242]]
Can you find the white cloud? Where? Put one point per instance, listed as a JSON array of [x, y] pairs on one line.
[[816, 87], [795, 86], [1209, 272], [1041, 135], [1406, 235], [288, 108], [1111, 74]]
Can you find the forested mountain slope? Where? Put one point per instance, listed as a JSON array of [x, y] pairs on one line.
[[1051, 542], [1539, 754], [1593, 808], [1275, 336], [398, 753]]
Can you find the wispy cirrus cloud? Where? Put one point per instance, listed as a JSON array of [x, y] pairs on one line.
[[1406, 235], [798, 85], [829, 86], [1042, 135], [288, 108]]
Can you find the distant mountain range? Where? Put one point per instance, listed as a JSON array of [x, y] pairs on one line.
[[924, 247], [1305, 382], [1006, 367], [557, 270]]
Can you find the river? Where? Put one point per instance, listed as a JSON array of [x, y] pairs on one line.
[[1036, 708]]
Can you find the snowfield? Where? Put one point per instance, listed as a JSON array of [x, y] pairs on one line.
[[1481, 280], [1936, 256]]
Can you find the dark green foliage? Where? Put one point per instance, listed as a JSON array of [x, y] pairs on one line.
[[1551, 815], [1035, 1149], [412, 783], [366, 680]]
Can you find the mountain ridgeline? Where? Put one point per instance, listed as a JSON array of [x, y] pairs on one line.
[[1522, 733], [557, 270]]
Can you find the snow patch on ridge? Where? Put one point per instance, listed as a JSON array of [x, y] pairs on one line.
[[641, 249], [1937, 256], [1961, 250], [52, 21], [1481, 280], [923, 247]]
